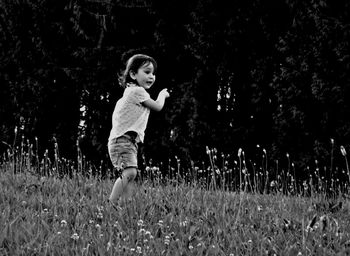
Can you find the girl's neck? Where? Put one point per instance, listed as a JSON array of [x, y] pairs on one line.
[[131, 85]]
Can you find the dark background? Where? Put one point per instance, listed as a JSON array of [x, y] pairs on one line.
[[243, 73]]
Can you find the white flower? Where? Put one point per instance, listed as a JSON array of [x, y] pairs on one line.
[[109, 245], [75, 236], [342, 150], [63, 223], [239, 152]]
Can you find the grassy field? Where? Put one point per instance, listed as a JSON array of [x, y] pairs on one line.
[[70, 216]]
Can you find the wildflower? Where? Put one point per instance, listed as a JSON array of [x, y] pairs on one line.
[[63, 223], [142, 230], [342, 150], [138, 249], [167, 240], [207, 150], [190, 247], [160, 223], [109, 245], [100, 215], [332, 141], [116, 224], [140, 223], [75, 237], [183, 223], [259, 208], [58, 233], [239, 152]]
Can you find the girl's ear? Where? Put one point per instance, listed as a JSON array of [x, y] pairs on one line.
[[132, 74]]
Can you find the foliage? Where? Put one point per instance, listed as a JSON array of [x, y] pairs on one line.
[[273, 74]]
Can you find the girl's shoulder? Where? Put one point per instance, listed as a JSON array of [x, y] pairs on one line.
[[137, 93]]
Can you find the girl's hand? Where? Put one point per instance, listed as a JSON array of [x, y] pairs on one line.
[[165, 93]]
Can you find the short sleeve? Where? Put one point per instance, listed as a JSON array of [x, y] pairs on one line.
[[141, 95]]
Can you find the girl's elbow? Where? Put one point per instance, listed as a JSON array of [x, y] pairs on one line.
[[158, 108]]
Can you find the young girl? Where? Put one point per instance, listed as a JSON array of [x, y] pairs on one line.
[[129, 121]]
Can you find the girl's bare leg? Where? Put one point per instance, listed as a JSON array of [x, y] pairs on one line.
[[123, 186]]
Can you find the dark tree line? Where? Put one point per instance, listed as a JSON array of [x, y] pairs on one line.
[[242, 73]]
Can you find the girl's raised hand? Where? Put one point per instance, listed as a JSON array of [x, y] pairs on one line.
[[165, 93]]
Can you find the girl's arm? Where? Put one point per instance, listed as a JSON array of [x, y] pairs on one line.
[[157, 105]]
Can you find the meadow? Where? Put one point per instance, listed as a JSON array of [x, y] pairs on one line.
[[52, 207]]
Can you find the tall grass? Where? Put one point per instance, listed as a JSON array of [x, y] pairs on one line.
[[233, 206]]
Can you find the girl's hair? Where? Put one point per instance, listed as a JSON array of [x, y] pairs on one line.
[[132, 65]]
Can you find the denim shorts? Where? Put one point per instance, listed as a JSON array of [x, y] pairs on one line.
[[123, 152]]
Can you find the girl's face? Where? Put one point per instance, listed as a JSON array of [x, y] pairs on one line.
[[145, 76]]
